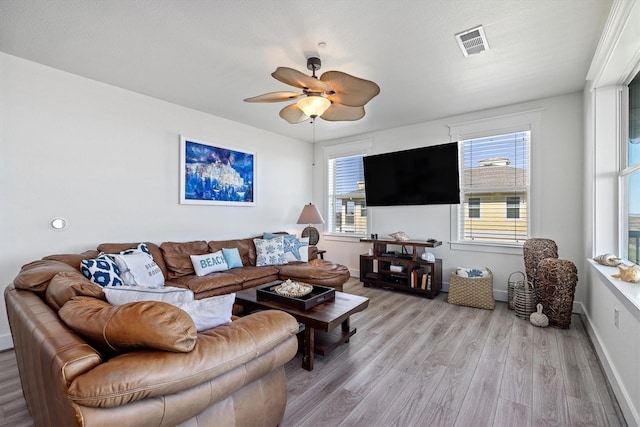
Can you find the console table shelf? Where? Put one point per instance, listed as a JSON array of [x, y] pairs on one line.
[[402, 270]]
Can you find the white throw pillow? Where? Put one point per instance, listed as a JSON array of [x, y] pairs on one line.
[[118, 295], [138, 269], [209, 263], [208, 313], [471, 272], [296, 249], [270, 252]]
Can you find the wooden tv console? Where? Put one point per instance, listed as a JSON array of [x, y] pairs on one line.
[[401, 270]]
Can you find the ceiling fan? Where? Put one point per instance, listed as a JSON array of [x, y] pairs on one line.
[[336, 96]]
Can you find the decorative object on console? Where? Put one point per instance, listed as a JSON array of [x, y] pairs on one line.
[[310, 215], [400, 236], [215, 175], [538, 318], [629, 274], [428, 256], [608, 259]]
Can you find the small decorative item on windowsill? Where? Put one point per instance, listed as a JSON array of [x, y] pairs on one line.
[[511, 284]]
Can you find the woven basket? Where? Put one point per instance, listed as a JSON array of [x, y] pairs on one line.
[[472, 291], [524, 299], [557, 280], [511, 284]]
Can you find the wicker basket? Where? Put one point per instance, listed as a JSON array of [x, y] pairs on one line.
[[511, 284], [472, 291], [524, 299], [557, 279]]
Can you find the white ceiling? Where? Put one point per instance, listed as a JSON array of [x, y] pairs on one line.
[[211, 54]]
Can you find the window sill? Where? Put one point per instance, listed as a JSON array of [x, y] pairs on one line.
[[351, 238], [627, 293], [514, 249]]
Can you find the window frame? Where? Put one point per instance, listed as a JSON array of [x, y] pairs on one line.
[[331, 152], [529, 120]]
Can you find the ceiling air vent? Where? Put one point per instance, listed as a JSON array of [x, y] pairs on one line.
[[472, 41]]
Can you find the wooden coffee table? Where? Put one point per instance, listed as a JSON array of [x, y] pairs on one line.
[[324, 317]]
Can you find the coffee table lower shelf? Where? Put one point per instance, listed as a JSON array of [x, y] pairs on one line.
[[326, 342]]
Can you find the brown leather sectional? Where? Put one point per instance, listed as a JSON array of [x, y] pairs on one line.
[[229, 375]]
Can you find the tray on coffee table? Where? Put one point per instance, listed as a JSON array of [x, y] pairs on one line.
[[318, 295]]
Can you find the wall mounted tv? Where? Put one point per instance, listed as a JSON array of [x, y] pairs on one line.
[[421, 176]]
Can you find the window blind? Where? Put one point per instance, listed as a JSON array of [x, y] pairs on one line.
[[346, 190]]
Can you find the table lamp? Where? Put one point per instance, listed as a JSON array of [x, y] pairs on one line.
[[310, 215]]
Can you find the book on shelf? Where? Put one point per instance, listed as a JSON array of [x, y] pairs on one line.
[[416, 276], [423, 286]]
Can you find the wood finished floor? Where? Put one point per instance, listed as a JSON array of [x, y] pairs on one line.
[[419, 362]]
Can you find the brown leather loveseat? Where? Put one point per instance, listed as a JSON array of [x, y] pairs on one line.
[[143, 363]]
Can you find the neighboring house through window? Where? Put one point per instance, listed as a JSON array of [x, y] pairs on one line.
[[494, 181], [346, 202]]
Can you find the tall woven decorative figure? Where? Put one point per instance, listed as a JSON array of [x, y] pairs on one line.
[[557, 280], [535, 250]]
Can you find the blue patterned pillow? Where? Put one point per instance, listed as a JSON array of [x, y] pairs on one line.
[[295, 249], [270, 252], [102, 271], [471, 272]]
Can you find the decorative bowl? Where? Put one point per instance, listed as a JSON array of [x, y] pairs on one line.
[[293, 289]]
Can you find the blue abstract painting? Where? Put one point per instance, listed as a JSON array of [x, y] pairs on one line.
[[216, 175]]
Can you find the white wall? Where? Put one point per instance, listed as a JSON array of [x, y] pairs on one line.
[[556, 191], [107, 160]]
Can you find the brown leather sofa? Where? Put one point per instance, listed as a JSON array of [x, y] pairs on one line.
[[230, 375]]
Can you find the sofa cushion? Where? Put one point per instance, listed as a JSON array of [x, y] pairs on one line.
[[68, 284], [246, 248], [73, 259], [213, 281], [102, 271], [119, 295], [143, 374], [36, 275], [154, 250], [270, 251], [250, 273], [209, 263], [147, 324], [177, 256]]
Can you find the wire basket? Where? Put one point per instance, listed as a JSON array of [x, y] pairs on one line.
[[511, 284], [524, 299]]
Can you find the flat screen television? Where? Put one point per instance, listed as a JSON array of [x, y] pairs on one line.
[[420, 176]]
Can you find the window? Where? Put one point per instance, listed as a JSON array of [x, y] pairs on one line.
[[513, 207], [630, 177], [346, 204], [495, 169], [474, 207]]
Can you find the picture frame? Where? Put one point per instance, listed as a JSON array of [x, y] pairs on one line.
[[213, 174]]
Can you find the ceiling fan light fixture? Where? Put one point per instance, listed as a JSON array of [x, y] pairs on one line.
[[313, 105]]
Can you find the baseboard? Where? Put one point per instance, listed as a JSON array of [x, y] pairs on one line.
[[626, 404], [6, 342]]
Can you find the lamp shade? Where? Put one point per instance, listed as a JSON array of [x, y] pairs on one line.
[[310, 215], [313, 105]]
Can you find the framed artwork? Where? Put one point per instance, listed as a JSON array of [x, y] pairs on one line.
[[214, 175]]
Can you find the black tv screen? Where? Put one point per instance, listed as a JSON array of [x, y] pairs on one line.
[[421, 176]]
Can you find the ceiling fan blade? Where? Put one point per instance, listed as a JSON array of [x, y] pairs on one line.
[[338, 113], [350, 91], [293, 114], [274, 97], [296, 78]]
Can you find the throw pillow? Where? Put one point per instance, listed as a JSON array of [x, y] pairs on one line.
[[145, 324], [232, 256], [208, 313], [137, 267], [209, 263], [102, 271], [295, 249], [471, 272], [125, 294], [270, 252]]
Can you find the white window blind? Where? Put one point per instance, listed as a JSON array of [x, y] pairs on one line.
[[345, 192], [495, 187], [630, 178]]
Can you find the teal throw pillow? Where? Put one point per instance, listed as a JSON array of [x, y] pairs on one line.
[[232, 256]]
